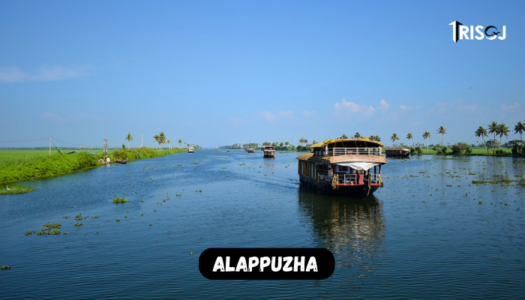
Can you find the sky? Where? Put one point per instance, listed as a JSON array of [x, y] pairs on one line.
[[215, 73]]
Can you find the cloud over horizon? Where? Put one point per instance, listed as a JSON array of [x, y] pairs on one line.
[[44, 73]]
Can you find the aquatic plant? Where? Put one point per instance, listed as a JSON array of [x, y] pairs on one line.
[[79, 217], [6, 267], [118, 220], [120, 200], [178, 195], [29, 232], [79, 224], [16, 190]]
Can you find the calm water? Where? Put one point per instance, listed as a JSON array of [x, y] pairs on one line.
[[429, 233]]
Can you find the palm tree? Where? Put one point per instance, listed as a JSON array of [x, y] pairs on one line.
[[287, 143], [169, 142], [503, 131], [441, 130], [426, 136], [343, 136], [482, 133], [357, 135], [157, 138], [409, 136], [314, 142], [493, 129], [180, 143], [162, 139], [129, 138], [520, 128], [394, 138]]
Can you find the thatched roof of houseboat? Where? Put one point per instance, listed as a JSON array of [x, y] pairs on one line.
[[342, 158], [360, 142]]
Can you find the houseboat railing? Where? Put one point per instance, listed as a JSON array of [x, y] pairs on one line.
[[375, 178], [336, 151], [347, 178]]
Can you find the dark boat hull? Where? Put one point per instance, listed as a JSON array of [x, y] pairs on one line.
[[122, 162], [354, 191]]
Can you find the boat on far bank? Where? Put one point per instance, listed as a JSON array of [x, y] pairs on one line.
[[191, 149], [121, 161], [250, 150], [269, 151], [351, 167], [402, 152]]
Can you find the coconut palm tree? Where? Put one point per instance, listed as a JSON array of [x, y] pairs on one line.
[[493, 129], [394, 138], [157, 139], [482, 133], [409, 136], [426, 136], [520, 128], [286, 143], [357, 135], [169, 142], [129, 138], [343, 136], [441, 130], [162, 138], [180, 143], [503, 130]]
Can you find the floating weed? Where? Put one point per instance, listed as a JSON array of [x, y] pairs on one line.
[[125, 217], [94, 217], [65, 233], [200, 191], [179, 195], [66, 217], [48, 226], [79, 224], [155, 210], [141, 215], [120, 200], [29, 232], [225, 167], [118, 220], [6, 267], [79, 217], [141, 200], [150, 224]]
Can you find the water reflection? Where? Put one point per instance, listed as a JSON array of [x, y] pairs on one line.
[[269, 163], [353, 229]]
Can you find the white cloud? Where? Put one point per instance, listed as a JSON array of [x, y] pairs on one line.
[[353, 108], [384, 104], [308, 113], [511, 107], [45, 73], [270, 117]]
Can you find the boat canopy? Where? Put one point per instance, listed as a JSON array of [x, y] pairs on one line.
[[360, 142], [359, 165]]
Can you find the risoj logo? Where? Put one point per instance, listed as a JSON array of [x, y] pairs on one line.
[[463, 32]]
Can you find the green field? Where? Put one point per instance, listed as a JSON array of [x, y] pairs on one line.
[[22, 153], [475, 151]]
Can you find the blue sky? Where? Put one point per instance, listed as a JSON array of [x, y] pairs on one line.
[[220, 72]]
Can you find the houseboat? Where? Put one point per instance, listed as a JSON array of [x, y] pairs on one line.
[[250, 150], [350, 167], [401, 152], [269, 151], [191, 149]]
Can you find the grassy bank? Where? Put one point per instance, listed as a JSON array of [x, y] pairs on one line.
[[36, 167], [10, 154]]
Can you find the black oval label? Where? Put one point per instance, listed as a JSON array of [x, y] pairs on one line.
[[266, 263]]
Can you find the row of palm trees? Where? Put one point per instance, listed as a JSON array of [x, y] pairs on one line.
[[500, 129], [159, 138], [426, 135]]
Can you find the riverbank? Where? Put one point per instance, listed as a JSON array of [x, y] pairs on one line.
[[30, 168]]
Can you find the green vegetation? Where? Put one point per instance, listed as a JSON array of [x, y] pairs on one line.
[[23, 167], [120, 200], [15, 190], [6, 267]]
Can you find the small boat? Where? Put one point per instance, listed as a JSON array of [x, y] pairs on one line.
[[269, 151], [250, 150], [191, 150], [121, 161], [216, 148], [351, 167], [402, 152]]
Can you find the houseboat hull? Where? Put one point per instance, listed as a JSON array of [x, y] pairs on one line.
[[398, 152], [352, 191]]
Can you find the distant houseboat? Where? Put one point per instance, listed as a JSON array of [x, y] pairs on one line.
[[191, 150], [349, 167], [402, 152], [250, 150], [269, 151]]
